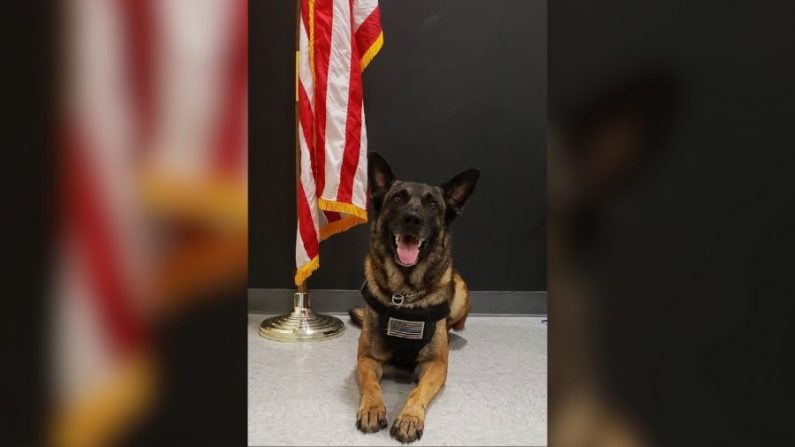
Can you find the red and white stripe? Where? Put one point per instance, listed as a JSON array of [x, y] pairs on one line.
[[98, 305], [127, 108], [337, 39]]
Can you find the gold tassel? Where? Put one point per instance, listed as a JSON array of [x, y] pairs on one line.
[[372, 51], [305, 270]]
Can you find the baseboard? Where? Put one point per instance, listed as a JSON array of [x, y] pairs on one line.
[[276, 301]]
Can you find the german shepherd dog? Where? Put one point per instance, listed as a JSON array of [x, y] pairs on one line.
[[598, 150], [413, 293]]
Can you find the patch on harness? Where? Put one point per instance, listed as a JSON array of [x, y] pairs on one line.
[[405, 329]]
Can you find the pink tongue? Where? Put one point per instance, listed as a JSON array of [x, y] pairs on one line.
[[408, 250]]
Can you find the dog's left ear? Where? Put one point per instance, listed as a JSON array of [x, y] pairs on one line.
[[457, 191]]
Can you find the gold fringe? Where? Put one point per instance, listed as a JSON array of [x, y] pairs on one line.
[[339, 226], [355, 217], [218, 199], [297, 72], [368, 55], [312, 40], [342, 207], [305, 270], [104, 414]]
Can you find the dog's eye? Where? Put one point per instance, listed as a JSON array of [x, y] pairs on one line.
[[397, 198], [432, 204]]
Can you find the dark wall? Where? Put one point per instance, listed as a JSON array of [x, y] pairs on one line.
[[698, 269], [457, 84]]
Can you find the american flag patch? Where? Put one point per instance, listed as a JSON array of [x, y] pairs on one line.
[[405, 329]]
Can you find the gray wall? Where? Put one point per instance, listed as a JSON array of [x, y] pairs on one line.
[[458, 84]]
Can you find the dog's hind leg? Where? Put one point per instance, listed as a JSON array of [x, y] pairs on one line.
[[459, 304], [357, 315]]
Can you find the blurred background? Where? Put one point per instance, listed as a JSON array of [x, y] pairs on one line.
[[671, 217], [675, 261], [146, 266]]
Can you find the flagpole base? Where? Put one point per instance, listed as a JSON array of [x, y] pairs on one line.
[[301, 324]]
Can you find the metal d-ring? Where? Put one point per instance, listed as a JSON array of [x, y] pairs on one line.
[[397, 299]]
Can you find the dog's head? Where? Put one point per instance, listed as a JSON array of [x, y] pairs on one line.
[[412, 218]]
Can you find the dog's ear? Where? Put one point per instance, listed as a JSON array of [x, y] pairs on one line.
[[602, 145], [613, 137], [457, 191], [380, 178]]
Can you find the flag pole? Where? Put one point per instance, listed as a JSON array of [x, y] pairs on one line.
[[301, 324]]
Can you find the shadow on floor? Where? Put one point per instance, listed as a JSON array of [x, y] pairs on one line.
[[455, 341]]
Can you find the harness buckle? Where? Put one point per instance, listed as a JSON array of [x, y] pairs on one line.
[[397, 299]]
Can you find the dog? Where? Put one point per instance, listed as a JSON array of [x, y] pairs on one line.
[[413, 294], [598, 151]]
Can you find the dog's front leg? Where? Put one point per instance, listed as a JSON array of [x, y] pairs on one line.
[[410, 422], [371, 416]]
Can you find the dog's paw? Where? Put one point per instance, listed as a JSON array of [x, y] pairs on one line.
[[371, 419], [407, 428]]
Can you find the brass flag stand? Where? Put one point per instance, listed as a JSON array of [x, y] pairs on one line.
[[301, 324]]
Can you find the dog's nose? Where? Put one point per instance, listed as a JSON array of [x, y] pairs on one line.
[[412, 219]]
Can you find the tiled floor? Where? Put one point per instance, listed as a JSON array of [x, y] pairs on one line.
[[496, 391]]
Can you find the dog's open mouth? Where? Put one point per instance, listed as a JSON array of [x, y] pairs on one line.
[[408, 249]]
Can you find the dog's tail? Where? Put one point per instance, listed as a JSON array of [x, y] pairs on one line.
[[357, 315]]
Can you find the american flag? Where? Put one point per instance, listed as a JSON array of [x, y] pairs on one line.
[[337, 39], [153, 137]]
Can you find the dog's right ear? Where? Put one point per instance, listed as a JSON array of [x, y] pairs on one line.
[[380, 179], [613, 137]]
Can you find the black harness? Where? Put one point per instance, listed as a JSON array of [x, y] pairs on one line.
[[406, 331]]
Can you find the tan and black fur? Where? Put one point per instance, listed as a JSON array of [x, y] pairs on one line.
[[432, 278], [596, 151]]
